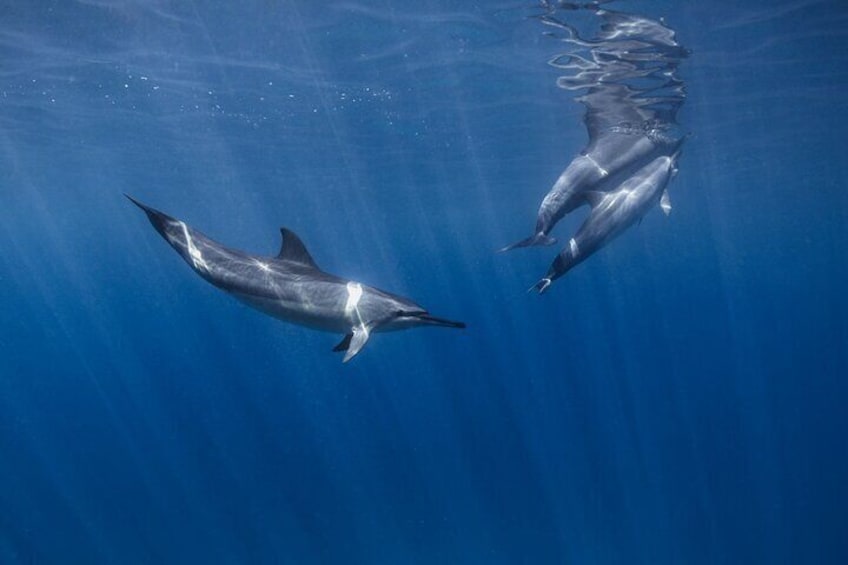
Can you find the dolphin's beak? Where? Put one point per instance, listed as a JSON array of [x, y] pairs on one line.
[[427, 318], [157, 218], [151, 212]]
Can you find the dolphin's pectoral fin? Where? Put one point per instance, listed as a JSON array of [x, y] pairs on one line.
[[358, 338], [665, 202], [541, 286], [344, 344]]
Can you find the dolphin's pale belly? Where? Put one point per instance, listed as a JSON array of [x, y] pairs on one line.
[[317, 317], [274, 290]]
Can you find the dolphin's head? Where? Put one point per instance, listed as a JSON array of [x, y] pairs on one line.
[[391, 312]]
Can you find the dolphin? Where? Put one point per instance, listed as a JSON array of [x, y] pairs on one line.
[[292, 288], [622, 139], [613, 212], [631, 100]]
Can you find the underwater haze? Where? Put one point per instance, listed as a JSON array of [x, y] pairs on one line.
[[679, 397]]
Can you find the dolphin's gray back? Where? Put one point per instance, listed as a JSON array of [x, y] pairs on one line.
[[283, 289]]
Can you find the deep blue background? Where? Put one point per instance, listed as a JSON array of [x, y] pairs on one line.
[[678, 398]]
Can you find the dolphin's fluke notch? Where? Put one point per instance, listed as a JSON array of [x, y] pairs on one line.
[[535, 240]]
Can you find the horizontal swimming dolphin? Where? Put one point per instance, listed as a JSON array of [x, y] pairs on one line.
[[292, 288], [613, 212]]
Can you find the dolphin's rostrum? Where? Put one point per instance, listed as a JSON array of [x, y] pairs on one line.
[[292, 288]]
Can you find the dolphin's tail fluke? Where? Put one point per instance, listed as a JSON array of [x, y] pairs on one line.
[[538, 239]]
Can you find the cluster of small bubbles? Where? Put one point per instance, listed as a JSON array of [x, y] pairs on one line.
[[382, 94]]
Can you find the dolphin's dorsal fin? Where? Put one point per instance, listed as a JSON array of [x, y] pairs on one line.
[[593, 197], [293, 249]]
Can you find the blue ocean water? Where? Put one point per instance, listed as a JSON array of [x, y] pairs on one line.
[[677, 398]]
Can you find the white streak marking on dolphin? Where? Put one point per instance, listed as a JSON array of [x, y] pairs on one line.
[[354, 295], [196, 257], [603, 171]]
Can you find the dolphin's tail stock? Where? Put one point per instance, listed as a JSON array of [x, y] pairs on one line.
[[538, 239]]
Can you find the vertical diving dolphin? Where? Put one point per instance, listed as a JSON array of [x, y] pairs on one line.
[[613, 212], [614, 153], [292, 288], [627, 70]]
